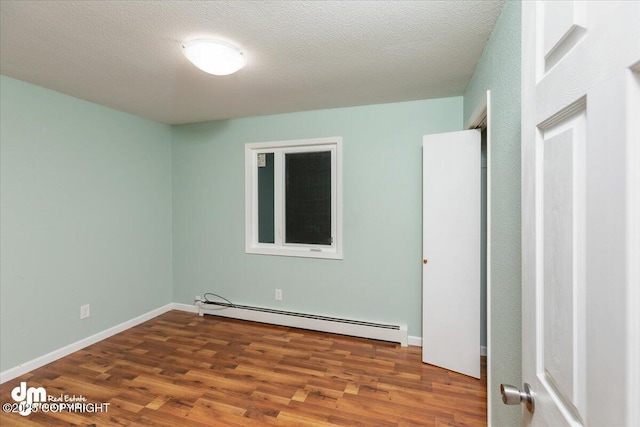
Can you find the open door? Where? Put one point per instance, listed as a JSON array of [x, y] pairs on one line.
[[451, 251], [580, 214]]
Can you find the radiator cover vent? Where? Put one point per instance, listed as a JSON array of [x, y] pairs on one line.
[[357, 328]]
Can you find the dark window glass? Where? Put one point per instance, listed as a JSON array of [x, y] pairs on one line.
[[308, 197], [266, 232]]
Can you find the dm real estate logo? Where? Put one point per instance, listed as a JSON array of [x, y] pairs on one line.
[[35, 399], [28, 398]]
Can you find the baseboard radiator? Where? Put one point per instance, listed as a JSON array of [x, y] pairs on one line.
[[356, 328]]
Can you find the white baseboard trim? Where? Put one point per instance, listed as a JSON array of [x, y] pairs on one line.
[[417, 342], [184, 307], [29, 366]]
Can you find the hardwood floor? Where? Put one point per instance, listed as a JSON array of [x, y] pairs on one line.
[[180, 369]]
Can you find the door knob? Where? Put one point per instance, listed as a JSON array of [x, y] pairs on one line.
[[513, 396]]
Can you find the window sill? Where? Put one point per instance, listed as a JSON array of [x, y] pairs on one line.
[[301, 252]]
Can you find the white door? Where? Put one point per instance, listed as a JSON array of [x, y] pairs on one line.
[[581, 212], [451, 251]]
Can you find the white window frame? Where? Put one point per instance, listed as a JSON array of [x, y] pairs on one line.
[[279, 148]]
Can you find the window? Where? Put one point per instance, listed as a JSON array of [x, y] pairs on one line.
[[293, 198]]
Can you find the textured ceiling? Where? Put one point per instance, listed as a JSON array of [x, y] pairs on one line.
[[301, 55]]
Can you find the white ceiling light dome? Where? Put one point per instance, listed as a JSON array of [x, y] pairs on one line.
[[214, 56]]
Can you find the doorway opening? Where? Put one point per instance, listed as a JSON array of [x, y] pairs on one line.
[[481, 119]]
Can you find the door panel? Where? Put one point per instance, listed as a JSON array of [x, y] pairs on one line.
[[563, 261], [564, 25], [578, 61], [451, 247]]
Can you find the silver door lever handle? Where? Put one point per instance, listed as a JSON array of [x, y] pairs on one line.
[[513, 396]]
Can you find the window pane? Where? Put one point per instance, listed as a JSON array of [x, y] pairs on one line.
[[308, 197], [266, 233]]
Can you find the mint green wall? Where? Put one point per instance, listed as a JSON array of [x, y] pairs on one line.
[[85, 213], [499, 71], [379, 278]]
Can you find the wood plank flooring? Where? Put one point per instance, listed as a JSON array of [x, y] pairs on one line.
[[180, 369]]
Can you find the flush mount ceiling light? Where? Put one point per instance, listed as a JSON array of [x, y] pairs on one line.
[[214, 56]]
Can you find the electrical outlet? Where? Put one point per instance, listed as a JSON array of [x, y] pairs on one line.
[[85, 311], [278, 294], [198, 298]]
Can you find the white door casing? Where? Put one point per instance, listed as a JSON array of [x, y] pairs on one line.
[[451, 247], [580, 212]]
